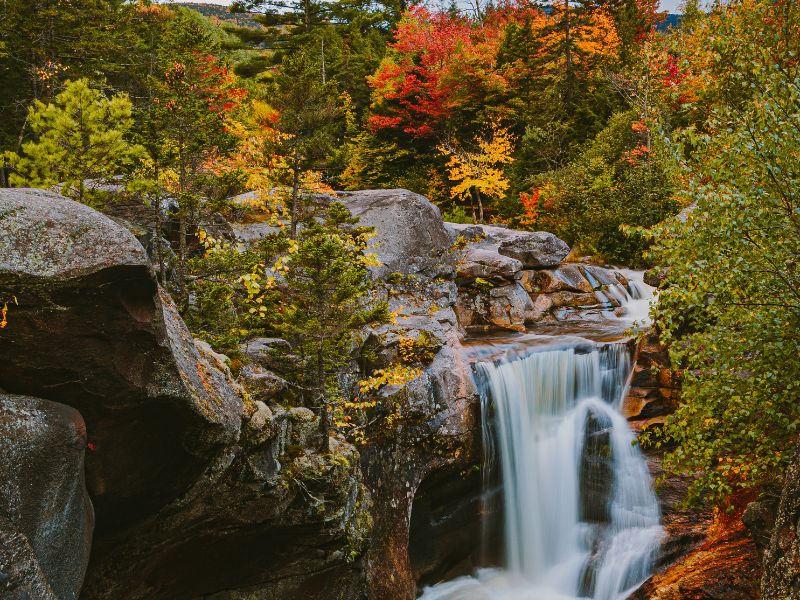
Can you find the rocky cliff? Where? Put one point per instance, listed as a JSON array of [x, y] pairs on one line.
[[135, 465]]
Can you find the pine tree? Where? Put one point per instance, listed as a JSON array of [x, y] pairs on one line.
[[185, 124], [45, 43], [307, 106], [323, 300], [80, 136]]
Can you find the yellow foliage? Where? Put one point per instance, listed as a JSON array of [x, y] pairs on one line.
[[480, 170], [397, 374], [4, 313]]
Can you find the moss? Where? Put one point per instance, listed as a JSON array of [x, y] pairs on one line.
[[359, 527]]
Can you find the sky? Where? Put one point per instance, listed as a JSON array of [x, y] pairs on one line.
[[669, 5]]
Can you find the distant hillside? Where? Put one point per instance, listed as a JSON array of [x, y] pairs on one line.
[[222, 13]]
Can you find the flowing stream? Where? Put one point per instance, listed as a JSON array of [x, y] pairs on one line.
[[581, 517]]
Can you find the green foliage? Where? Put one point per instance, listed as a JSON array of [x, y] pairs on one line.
[[307, 108], [46, 42], [730, 310], [218, 311], [79, 136], [322, 301], [615, 181], [313, 291]]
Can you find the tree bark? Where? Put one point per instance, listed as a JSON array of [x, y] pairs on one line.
[[324, 417], [295, 194]]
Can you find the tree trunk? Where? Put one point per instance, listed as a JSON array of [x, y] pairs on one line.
[[472, 206], [324, 417], [475, 196], [181, 255], [295, 194], [568, 50], [162, 275], [182, 210]]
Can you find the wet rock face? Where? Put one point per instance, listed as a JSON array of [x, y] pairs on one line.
[[781, 580], [705, 554], [46, 517], [654, 387], [596, 470], [410, 234], [446, 528], [433, 433]]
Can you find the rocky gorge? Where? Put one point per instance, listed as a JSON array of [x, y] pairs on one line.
[[137, 464]]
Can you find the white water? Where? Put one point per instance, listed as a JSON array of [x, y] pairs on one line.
[[537, 407]]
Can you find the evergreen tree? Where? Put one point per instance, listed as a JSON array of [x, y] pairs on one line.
[[185, 124], [79, 136], [307, 107], [323, 301], [45, 43]]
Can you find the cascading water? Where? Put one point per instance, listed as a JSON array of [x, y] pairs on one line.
[[581, 518]]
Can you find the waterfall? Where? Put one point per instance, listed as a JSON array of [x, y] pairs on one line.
[[581, 518]]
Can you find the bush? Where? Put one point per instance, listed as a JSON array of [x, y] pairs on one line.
[[617, 180]]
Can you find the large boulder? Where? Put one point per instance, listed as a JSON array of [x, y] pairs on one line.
[[190, 502], [487, 264], [410, 234], [566, 278], [436, 431], [21, 576], [90, 329], [46, 517], [503, 307], [536, 249]]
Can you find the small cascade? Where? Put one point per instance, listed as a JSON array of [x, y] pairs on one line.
[[581, 518]]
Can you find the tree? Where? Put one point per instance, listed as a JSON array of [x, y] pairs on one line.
[[307, 109], [79, 136], [479, 173], [615, 181], [187, 126], [45, 43], [320, 299], [729, 309]]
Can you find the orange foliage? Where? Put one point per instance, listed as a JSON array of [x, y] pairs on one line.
[[530, 204]]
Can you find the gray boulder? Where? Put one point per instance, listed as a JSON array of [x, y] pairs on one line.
[[45, 235], [46, 517], [21, 575], [262, 384], [505, 307], [510, 307], [537, 249], [782, 556], [410, 234], [487, 264]]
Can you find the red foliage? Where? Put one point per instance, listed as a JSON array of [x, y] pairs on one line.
[[435, 67], [205, 77], [673, 75]]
